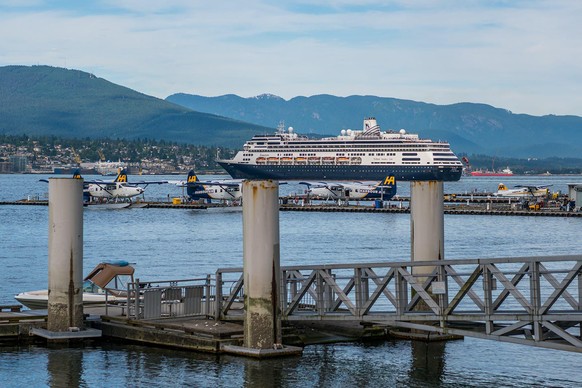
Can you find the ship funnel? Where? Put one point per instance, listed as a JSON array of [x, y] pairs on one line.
[[370, 122]]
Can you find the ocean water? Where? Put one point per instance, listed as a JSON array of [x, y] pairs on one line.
[[185, 243]]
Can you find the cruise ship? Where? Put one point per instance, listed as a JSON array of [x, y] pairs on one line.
[[367, 154]]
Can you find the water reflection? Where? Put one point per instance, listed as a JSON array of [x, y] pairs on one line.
[[378, 364], [65, 367], [274, 373], [428, 362]]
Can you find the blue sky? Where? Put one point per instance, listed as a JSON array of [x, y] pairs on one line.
[[524, 56]]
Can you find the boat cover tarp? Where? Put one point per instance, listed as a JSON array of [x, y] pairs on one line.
[[103, 273]]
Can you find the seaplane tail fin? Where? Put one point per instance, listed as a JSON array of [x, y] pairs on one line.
[[77, 174], [194, 188], [192, 178], [387, 186], [390, 180], [121, 177]]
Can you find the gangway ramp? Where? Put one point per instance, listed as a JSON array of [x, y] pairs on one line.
[[533, 301]]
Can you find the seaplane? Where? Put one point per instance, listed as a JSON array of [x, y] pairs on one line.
[[224, 190], [384, 190], [119, 188], [521, 191]]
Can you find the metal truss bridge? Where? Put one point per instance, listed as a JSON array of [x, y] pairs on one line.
[[526, 300]]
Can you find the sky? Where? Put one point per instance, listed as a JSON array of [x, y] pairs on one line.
[[524, 56]]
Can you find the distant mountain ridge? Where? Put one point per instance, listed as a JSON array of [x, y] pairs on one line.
[[44, 100], [469, 127]]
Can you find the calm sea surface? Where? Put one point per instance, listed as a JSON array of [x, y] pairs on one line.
[[170, 244]]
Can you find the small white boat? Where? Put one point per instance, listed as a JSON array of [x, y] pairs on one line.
[[107, 281]]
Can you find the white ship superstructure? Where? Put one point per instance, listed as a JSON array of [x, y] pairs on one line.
[[366, 154]]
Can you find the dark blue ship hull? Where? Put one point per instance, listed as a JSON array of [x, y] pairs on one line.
[[341, 172]]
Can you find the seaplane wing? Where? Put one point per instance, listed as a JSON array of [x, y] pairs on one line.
[[146, 183], [534, 187], [223, 184], [122, 178], [315, 185]]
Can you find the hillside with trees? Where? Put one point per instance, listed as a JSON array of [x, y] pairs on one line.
[[50, 101]]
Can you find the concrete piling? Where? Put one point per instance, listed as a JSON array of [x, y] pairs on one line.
[[65, 267], [261, 263], [427, 230]]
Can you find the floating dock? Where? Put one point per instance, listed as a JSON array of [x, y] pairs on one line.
[[453, 205], [191, 333]]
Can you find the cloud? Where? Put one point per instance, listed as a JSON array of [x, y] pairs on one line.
[[522, 56]]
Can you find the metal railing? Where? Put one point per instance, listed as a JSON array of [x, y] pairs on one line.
[[530, 300], [170, 298]]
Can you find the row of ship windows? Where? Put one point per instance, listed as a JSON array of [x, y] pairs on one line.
[[404, 160], [408, 168], [340, 154], [357, 143], [370, 152], [337, 154], [340, 148]]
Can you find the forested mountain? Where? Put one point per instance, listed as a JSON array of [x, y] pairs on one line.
[[50, 101]]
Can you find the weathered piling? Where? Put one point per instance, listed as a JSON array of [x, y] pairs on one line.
[[65, 269], [261, 262]]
